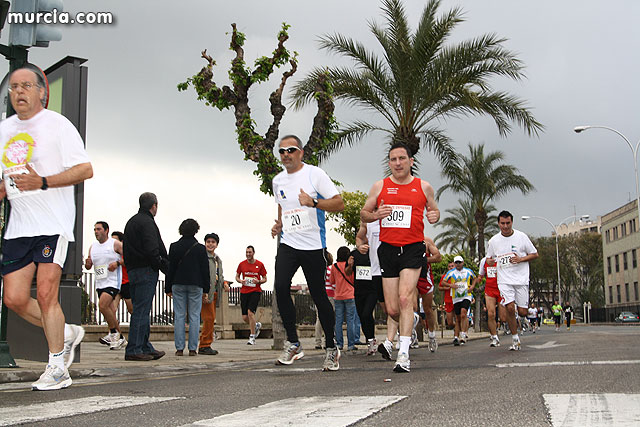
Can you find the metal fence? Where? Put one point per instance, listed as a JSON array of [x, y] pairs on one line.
[[609, 314]]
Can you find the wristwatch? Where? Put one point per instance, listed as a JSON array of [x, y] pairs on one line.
[[44, 184], [315, 202]]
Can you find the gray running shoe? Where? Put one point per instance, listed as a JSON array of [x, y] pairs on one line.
[[118, 343], [53, 378], [495, 342], [258, 326], [515, 346], [71, 342], [290, 353], [402, 363], [386, 350], [414, 340], [332, 360], [252, 341], [433, 344]]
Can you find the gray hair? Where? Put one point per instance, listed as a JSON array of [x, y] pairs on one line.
[[298, 142]]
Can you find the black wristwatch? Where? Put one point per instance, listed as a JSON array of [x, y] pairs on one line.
[[315, 202], [44, 184]]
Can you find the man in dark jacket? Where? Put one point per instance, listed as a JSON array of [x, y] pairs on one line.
[[144, 255]]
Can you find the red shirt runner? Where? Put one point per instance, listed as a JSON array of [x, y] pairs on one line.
[[405, 225], [254, 272]]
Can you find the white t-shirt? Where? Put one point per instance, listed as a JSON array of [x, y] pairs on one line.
[[51, 144], [502, 249], [373, 236], [533, 313], [303, 227], [103, 254]]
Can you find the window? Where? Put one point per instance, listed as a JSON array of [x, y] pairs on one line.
[[624, 261], [610, 294], [632, 226], [615, 233], [623, 229], [626, 291], [618, 292], [607, 235], [617, 263], [635, 290], [608, 265], [634, 258]]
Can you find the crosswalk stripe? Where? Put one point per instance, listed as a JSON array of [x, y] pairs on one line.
[[572, 363], [593, 410], [66, 408], [317, 411]]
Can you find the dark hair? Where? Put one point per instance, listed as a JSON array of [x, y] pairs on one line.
[[343, 254], [213, 236], [147, 200], [252, 248], [292, 137], [400, 145], [505, 214], [189, 227], [119, 235], [103, 224], [327, 256]]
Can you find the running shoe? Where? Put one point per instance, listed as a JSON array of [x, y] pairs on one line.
[[402, 363], [463, 338], [433, 344], [53, 378], [456, 341], [495, 342], [252, 341], [290, 353], [372, 345], [414, 340], [386, 349], [331, 360], [70, 344], [106, 340], [258, 327], [118, 343], [515, 346]]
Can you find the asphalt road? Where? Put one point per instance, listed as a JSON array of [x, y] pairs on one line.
[[467, 385]]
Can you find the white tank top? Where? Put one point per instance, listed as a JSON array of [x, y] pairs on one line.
[[373, 236], [103, 254]]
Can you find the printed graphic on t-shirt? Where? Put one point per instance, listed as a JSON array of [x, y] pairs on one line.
[[17, 152]]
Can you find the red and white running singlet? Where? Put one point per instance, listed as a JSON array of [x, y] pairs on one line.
[[405, 224]]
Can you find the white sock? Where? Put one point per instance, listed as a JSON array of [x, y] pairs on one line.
[[370, 339], [455, 337], [252, 336], [494, 337], [432, 334], [57, 359], [516, 337], [405, 342], [67, 330]]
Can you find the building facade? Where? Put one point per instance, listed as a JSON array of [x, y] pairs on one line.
[[620, 247]]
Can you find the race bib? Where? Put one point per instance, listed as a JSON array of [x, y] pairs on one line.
[[400, 217], [492, 272], [363, 272], [248, 281], [10, 186], [101, 271], [296, 220], [461, 289], [504, 261]]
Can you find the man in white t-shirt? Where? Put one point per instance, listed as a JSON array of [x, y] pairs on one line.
[[43, 156], [303, 193], [512, 250]]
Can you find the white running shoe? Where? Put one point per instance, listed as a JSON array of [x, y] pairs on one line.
[[495, 342], [433, 344], [53, 378], [463, 338], [402, 363], [414, 340], [331, 360], [118, 343], [258, 326], [372, 347], [252, 341], [70, 344], [106, 340], [290, 353], [515, 346], [386, 349]]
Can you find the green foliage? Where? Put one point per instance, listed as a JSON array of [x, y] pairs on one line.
[[349, 219]]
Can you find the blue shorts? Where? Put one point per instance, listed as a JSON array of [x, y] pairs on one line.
[[22, 251]]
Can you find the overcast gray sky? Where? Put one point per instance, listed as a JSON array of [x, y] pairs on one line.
[[144, 135]]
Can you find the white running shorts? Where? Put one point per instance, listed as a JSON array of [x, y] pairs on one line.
[[514, 293]]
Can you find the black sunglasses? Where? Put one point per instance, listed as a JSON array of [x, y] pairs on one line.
[[289, 150]]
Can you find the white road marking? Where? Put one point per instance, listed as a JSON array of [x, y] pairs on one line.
[[574, 363], [593, 410], [67, 408], [548, 344], [317, 411]]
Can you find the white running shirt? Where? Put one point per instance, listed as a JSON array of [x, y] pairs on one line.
[[373, 236], [103, 254], [303, 227], [51, 144], [502, 249]]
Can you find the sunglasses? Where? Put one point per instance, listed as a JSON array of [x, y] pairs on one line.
[[289, 150]]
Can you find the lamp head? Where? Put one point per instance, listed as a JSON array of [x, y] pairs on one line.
[[525, 217], [579, 129]]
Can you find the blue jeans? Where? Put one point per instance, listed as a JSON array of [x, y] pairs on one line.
[[347, 306], [186, 297], [356, 326], [143, 282]]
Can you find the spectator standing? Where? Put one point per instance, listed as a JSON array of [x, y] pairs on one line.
[[216, 280], [344, 299]]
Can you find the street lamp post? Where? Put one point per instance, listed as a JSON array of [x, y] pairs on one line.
[[555, 231], [579, 129]]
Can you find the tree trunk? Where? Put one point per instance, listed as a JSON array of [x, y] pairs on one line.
[[481, 220]]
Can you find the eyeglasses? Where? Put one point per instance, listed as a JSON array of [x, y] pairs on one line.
[[27, 86], [289, 150]]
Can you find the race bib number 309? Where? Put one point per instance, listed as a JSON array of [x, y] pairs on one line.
[[400, 217]]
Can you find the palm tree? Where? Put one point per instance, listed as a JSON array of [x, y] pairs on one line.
[[483, 179], [420, 81], [461, 231]]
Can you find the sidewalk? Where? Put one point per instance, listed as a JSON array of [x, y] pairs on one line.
[[97, 360]]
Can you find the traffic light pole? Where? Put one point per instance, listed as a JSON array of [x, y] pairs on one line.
[[17, 56]]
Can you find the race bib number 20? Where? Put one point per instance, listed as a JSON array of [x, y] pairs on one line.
[[295, 220], [400, 217]]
